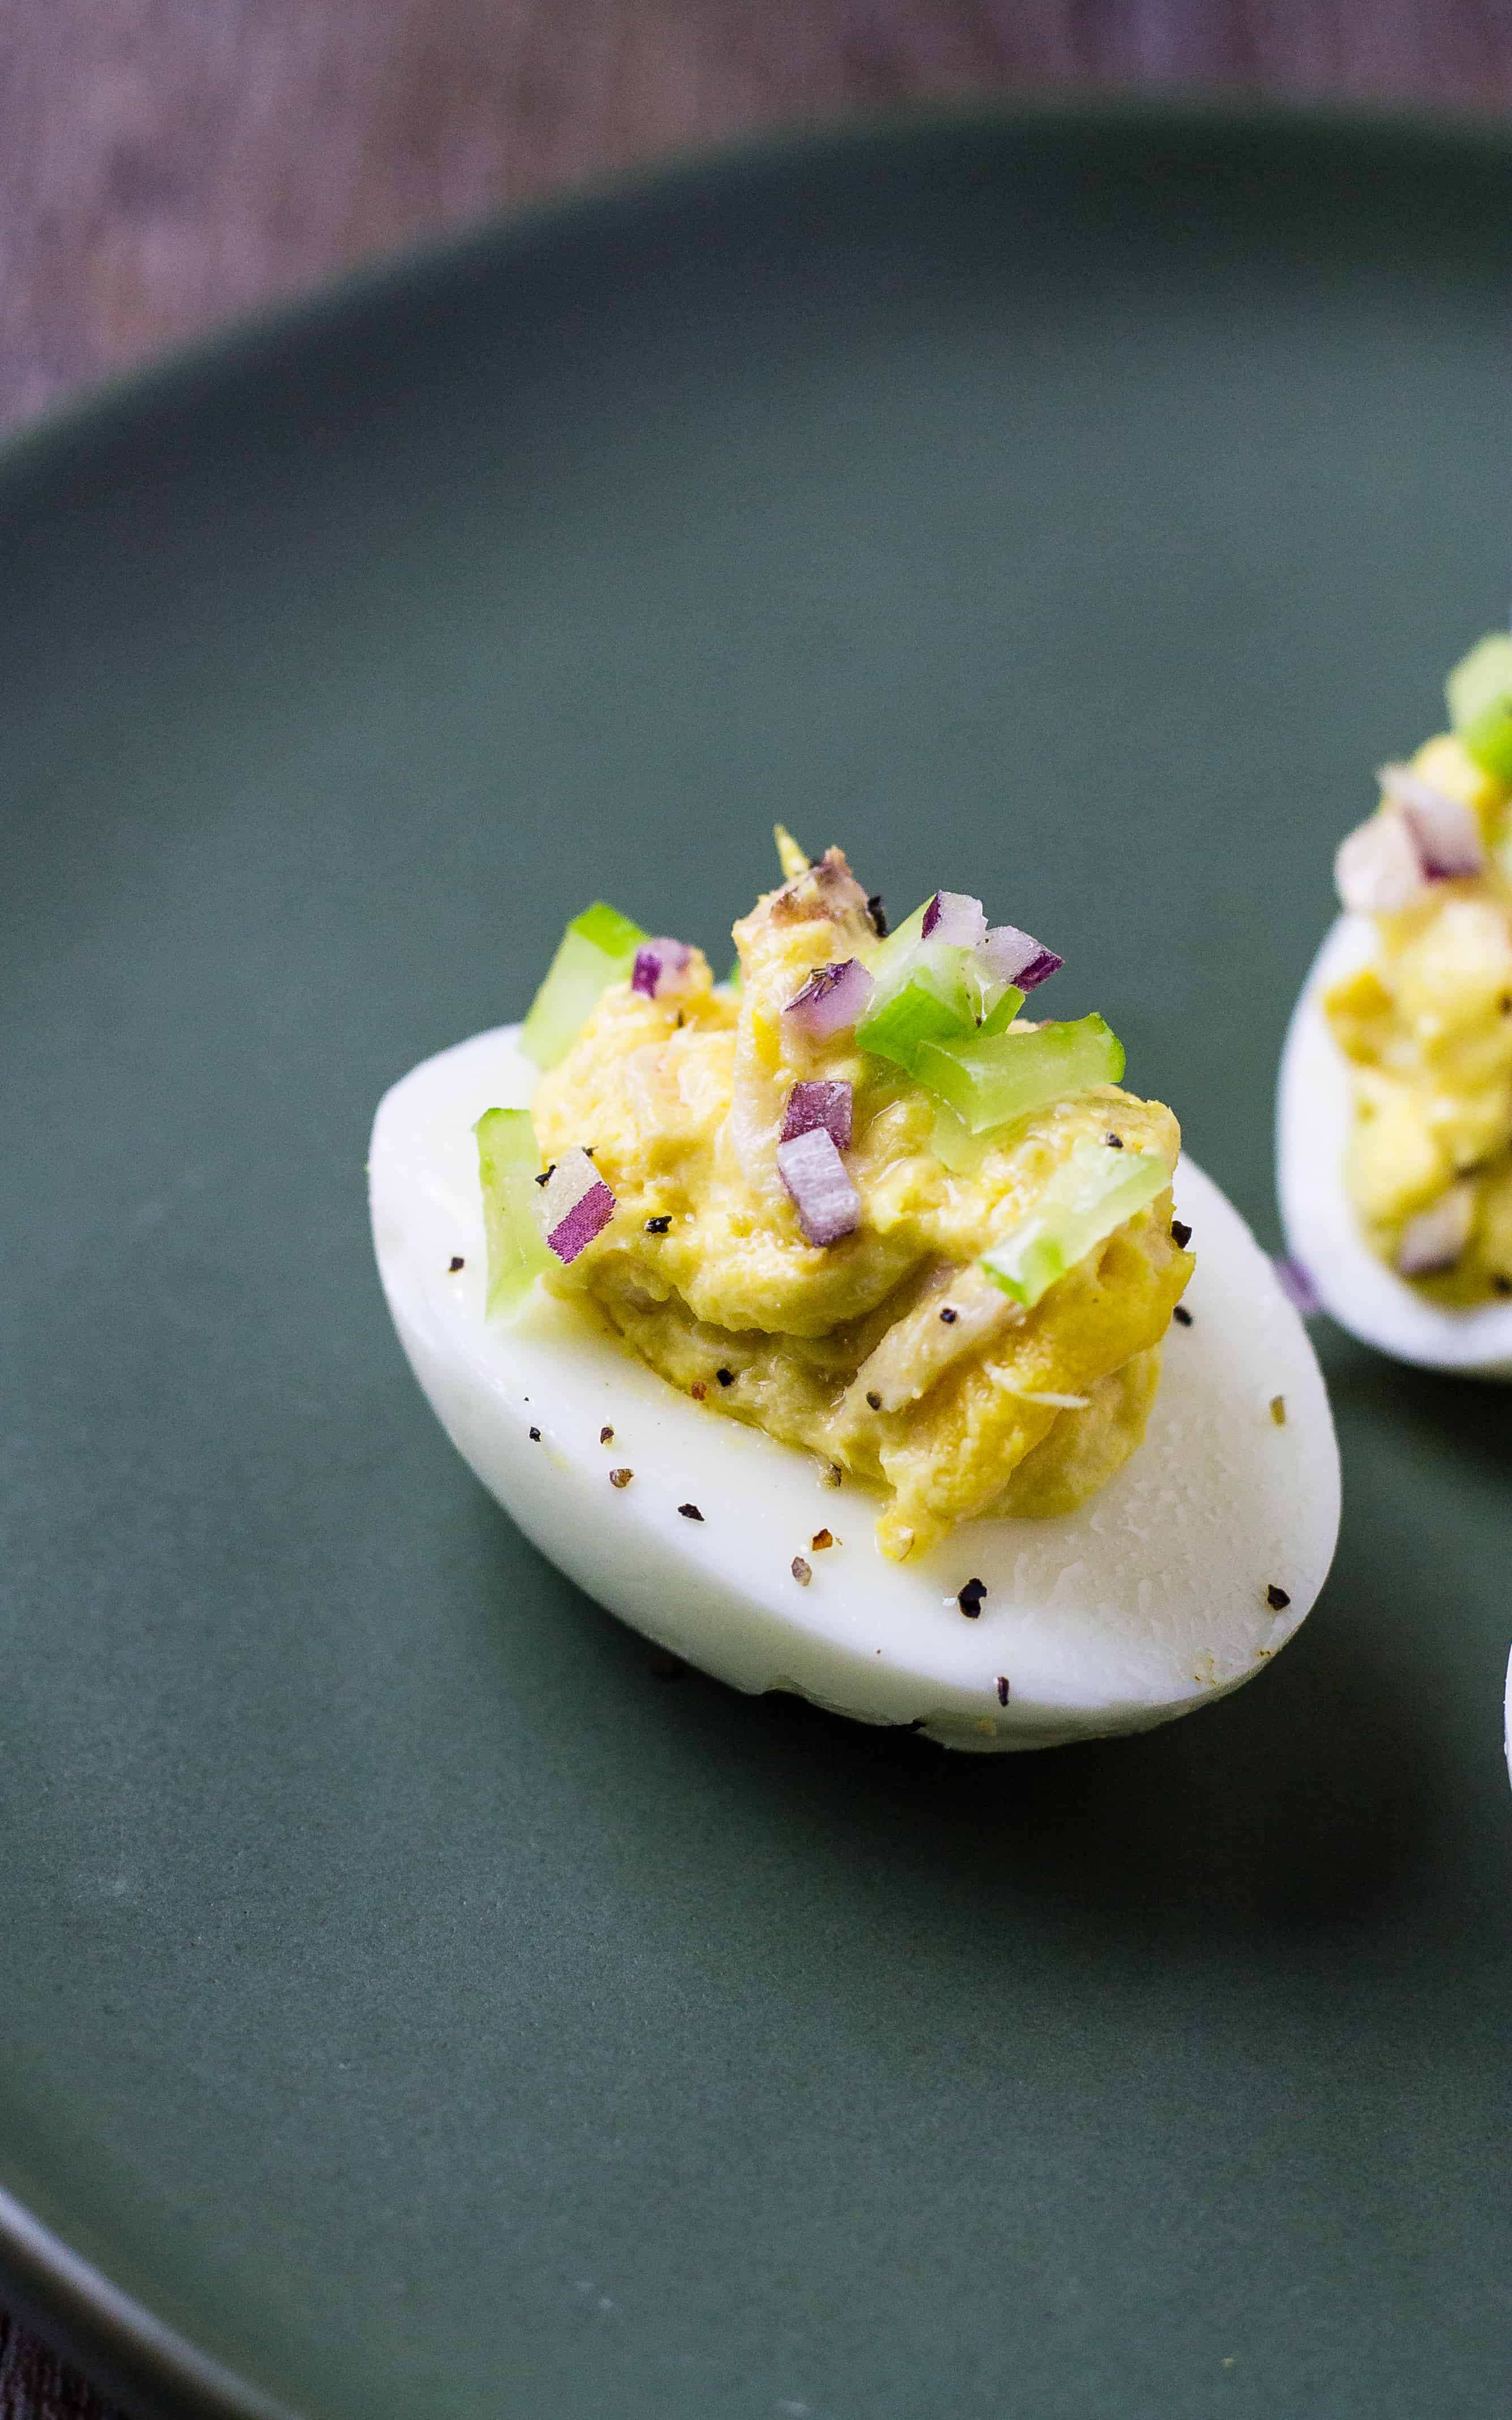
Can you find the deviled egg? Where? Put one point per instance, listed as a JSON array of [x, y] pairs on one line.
[[1394, 1108], [821, 1324]]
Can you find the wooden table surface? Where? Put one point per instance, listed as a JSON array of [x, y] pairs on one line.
[[165, 163]]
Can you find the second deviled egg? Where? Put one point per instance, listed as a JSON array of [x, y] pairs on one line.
[[1394, 1109], [821, 1324]]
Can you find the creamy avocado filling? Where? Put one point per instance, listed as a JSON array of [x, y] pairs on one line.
[[1426, 1024], [976, 1338]]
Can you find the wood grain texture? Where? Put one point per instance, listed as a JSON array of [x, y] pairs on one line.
[[34, 2384], [166, 163]]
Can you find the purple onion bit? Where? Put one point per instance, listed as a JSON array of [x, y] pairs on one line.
[[1436, 1239], [1445, 831], [576, 1205], [1418, 835], [1377, 870], [1043, 963], [832, 1000], [1297, 1285], [1011, 957], [827, 1105], [827, 1204], [954, 916], [659, 967]]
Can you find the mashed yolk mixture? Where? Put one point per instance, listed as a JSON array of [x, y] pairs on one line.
[[890, 1353], [1427, 1031]]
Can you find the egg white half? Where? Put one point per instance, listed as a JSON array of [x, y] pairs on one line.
[[1150, 1601], [1314, 1110]]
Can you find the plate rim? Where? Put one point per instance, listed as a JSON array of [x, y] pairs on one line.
[[118, 2340], [140, 386], [113, 2336]]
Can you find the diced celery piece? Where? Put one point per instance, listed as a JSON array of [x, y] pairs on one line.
[[955, 1146], [888, 956], [1092, 1192], [992, 1078], [1482, 678], [1488, 740], [934, 1000], [509, 1162], [928, 991], [1002, 1016], [790, 856], [1479, 690], [597, 949], [921, 993]]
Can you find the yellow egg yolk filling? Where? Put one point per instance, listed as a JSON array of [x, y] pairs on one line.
[[1426, 1027], [889, 1354]]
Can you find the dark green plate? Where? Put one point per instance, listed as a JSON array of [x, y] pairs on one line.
[[406, 1997]]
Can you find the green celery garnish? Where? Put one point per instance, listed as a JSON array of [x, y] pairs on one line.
[[1488, 740], [508, 1164], [888, 954], [597, 949], [1479, 690], [1092, 1192], [928, 991], [934, 1000], [1003, 1015], [992, 1078], [1480, 679], [955, 1146]]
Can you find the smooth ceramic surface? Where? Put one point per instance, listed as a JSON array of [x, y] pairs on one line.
[[415, 2003]]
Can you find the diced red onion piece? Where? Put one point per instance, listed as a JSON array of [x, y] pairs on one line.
[[1377, 870], [659, 967], [1009, 956], [1297, 1285], [827, 1204], [587, 1219], [953, 916], [832, 1000], [1445, 829], [576, 1205], [1437, 1236], [829, 1105], [1418, 835]]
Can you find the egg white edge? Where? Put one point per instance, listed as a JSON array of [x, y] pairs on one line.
[[881, 1642], [1314, 1108]]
